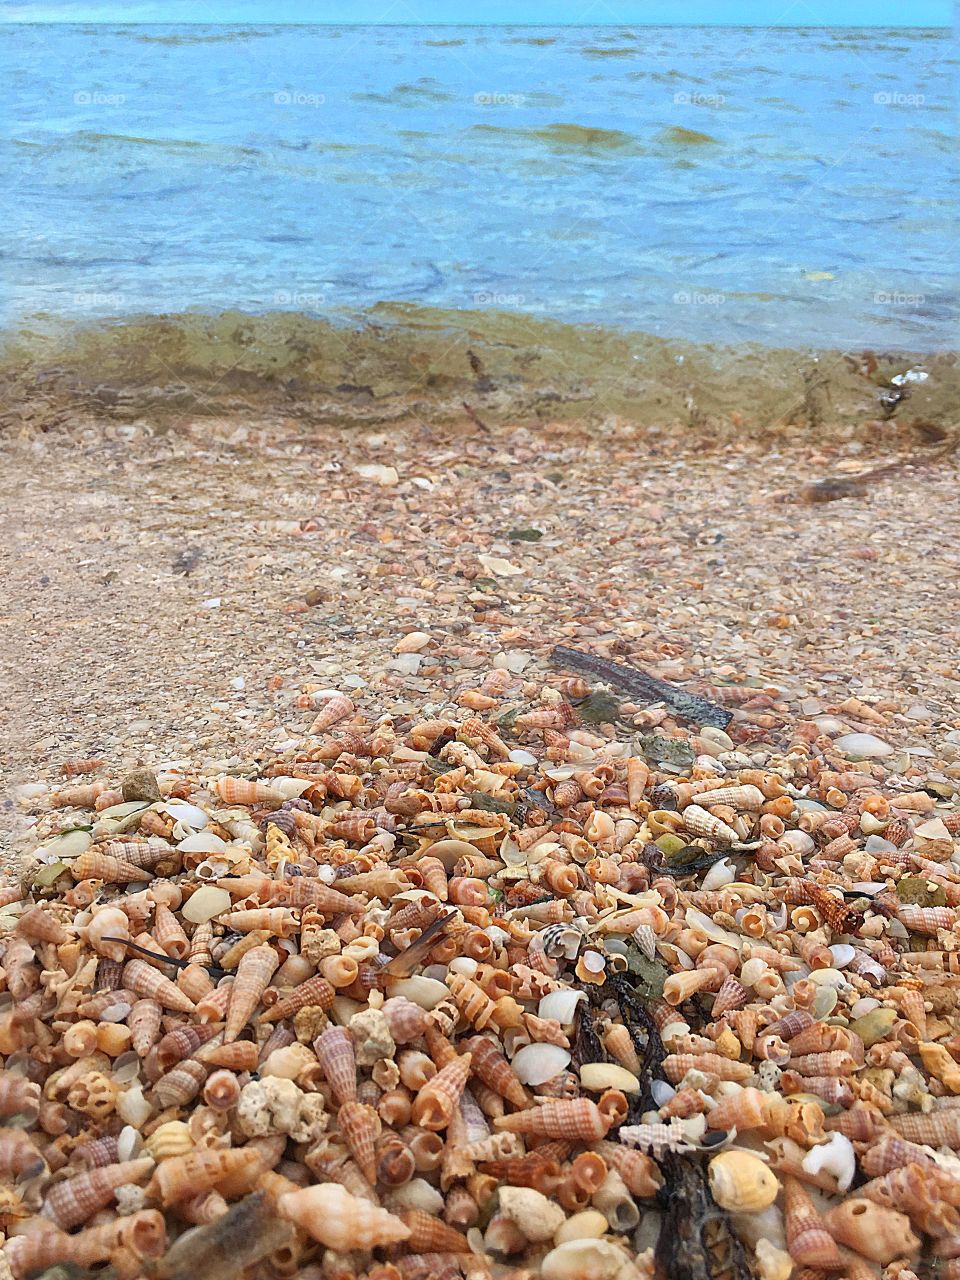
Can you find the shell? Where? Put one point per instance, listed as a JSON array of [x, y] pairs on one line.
[[338, 1220], [70, 1203], [360, 1126], [872, 1230], [334, 709], [808, 1241], [742, 1182], [257, 966], [700, 822], [489, 1065], [150, 984], [577, 1118], [435, 1101], [335, 1054], [240, 791]]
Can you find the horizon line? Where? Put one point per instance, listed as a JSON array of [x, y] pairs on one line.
[[487, 26]]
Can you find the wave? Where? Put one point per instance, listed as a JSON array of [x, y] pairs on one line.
[[400, 360]]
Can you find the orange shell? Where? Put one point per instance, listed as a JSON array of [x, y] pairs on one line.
[[257, 966], [809, 1243], [876, 1232], [188, 1175], [489, 1063], [360, 1126], [573, 1118], [432, 1235], [339, 1220], [70, 1203], [335, 1053], [149, 983], [435, 1102]]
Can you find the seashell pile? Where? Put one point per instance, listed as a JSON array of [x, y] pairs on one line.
[[499, 992]]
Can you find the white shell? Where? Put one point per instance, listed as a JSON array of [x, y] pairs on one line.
[[864, 745], [585, 1260], [597, 1076], [842, 953], [561, 1005], [202, 842], [537, 1063], [721, 873], [290, 788], [835, 1156], [188, 814], [426, 992], [207, 902]]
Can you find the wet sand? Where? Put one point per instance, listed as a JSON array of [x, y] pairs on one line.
[[170, 589]]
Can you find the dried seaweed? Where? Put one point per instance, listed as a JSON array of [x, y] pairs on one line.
[[689, 706], [696, 1241]]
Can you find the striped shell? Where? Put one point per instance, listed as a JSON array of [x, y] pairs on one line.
[[257, 966], [700, 822]]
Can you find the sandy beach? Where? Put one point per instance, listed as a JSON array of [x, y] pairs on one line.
[[171, 591]]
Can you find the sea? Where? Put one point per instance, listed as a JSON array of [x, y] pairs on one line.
[[783, 188]]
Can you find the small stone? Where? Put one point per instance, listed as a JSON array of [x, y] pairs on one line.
[[140, 784]]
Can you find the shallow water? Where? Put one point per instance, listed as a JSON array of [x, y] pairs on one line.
[[786, 188]]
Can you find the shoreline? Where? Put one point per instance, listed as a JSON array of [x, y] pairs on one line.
[[150, 570], [400, 361]]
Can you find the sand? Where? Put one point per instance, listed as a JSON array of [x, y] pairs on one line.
[[171, 592]]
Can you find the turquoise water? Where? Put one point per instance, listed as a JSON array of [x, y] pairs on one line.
[[782, 187]]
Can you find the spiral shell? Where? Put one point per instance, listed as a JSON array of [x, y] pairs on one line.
[[338, 1220]]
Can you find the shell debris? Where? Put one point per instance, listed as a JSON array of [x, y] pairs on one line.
[[462, 983]]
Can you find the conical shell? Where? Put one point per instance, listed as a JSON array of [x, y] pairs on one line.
[[102, 866], [254, 972], [41, 926], [144, 1023], [578, 1119], [180, 1084], [335, 1053], [435, 1102], [432, 1235], [70, 1203], [741, 1111], [747, 798], [188, 1175], [240, 791], [241, 1055], [360, 1126], [333, 710], [877, 1233], [742, 1182], [700, 822], [732, 995], [316, 991], [808, 1241], [339, 1220], [149, 983], [275, 921], [303, 892], [490, 1065]]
